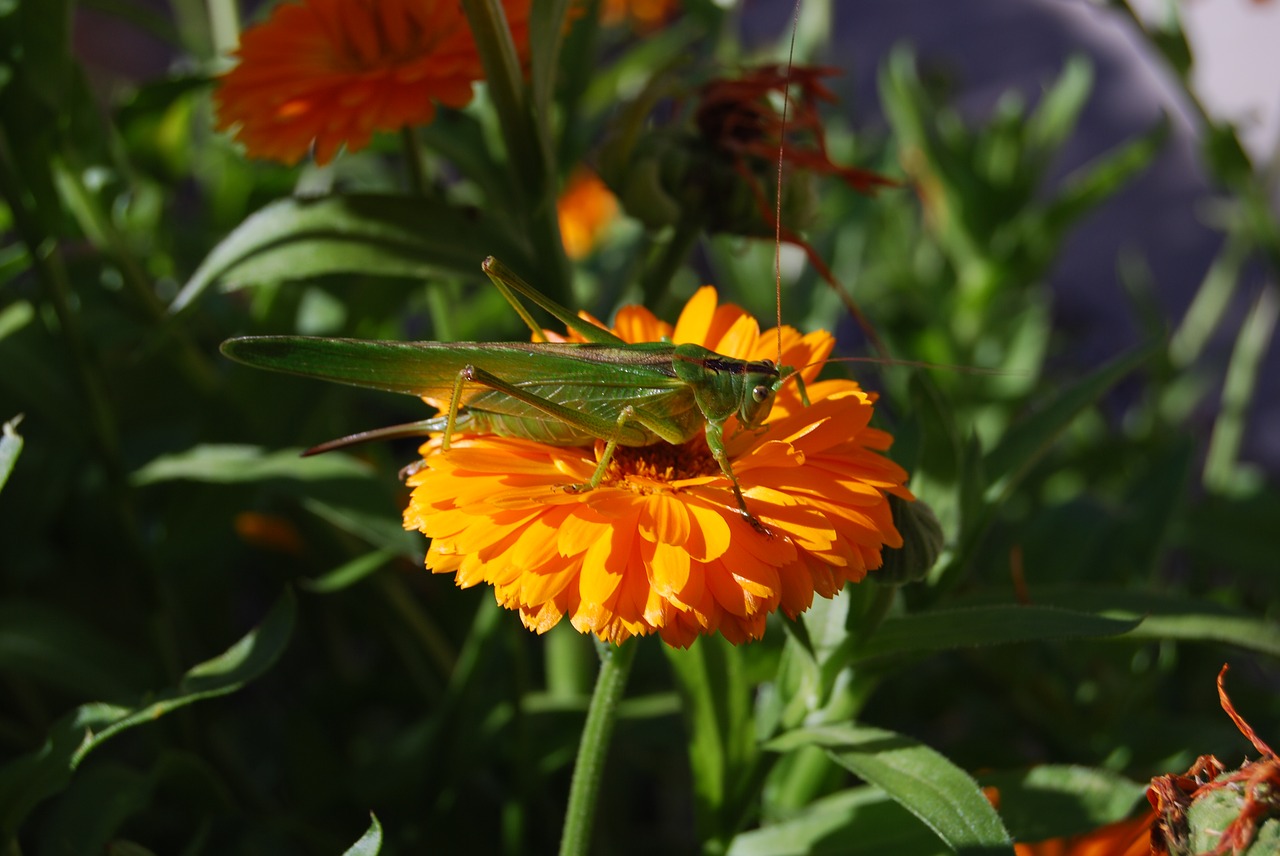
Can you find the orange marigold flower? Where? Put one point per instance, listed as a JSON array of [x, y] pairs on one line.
[[585, 208], [329, 73], [660, 545]]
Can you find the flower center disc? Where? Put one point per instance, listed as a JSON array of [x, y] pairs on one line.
[[645, 469]]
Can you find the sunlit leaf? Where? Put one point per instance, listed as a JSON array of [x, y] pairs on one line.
[[1051, 800], [349, 573], [857, 822], [228, 464], [943, 796], [10, 447], [370, 844]]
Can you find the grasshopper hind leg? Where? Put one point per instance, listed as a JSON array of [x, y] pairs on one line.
[[627, 414]]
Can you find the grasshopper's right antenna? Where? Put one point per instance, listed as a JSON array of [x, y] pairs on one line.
[[777, 199]]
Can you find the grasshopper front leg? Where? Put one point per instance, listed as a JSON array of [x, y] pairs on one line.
[[715, 442]]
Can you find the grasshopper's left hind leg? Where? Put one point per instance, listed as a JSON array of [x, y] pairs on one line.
[[625, 416]]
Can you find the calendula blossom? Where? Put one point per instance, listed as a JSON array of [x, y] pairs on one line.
[[329, 73], [585, 209], [660, 545]]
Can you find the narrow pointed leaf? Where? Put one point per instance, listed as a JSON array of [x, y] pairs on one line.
[[10, 448], [364, 234], [1055, 117], [229, 464], [370, 844], [946, 629], [923, 781], [1055, 800], [1030, 438], [349, 573], [857, 822], [1165, 616]]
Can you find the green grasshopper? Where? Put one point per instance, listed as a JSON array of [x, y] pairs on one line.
[[563, 394]]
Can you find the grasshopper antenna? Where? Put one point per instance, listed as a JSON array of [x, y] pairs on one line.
[[777, 197]]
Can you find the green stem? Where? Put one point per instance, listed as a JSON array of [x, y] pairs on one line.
[[877, 611], [615, 665], [414, 163], [224, 27]]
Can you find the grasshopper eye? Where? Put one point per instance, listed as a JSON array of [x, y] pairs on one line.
[[760, 393]]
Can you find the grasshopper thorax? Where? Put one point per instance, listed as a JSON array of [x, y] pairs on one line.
[[725, 386]]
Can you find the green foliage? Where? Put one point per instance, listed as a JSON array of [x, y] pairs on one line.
[[1097, 558]]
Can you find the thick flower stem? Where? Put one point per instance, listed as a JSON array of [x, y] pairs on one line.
[[615, 665]]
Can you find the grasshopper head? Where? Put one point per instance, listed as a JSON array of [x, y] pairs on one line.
[[761, 381]]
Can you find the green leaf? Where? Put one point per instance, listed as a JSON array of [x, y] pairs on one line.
[[373, 527], [230, 464], [1087, 187], [349, 573], [1053, 801], [1225, 156], [547, 20], [370, 844], [856, 822], [1223, 472], [924, 782], [1029, 438], [28, 780], [10, 447], [1170, 616], [361, 234], [713, 688], [945, 629], [1055, 117]]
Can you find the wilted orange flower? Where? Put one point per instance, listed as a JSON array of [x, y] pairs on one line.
[[585, 208], [329, 73], [660, 545]]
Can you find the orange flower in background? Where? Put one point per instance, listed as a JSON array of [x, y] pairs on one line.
[[585, 209], [660, 545], [643, 15], [329, 73]]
